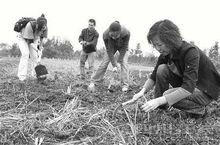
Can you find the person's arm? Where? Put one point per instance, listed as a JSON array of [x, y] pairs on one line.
[[149, 83], [176, 96], [124, 48], [42, 42], [147, 86], [190, 77], [93, 43], [153, 104], [168, 98], [110, 52], [44, 34], [81, 36]]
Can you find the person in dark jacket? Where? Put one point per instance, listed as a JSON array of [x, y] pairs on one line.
[[194, 79], [116, 38], [88, 39]]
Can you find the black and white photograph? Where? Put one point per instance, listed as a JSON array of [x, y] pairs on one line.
[[110, 72]]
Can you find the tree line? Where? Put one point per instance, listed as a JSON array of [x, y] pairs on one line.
[[63, 49]]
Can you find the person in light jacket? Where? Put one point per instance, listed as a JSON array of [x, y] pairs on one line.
[[30, 44]]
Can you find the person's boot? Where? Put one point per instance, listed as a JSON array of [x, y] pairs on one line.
[[197, 116], [185, 115]]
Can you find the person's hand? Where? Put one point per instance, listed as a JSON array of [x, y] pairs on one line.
[[153, 104], [91, 87], [82, 42], [116, 68], [44, 40], [34, 46], [135, 98], [40, 47], [87, 43]]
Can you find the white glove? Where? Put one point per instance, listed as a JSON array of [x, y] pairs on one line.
[[135, 98], [91, 87], [83, 42], [116, 68], [139, 94], [34, 46], [153, 104]]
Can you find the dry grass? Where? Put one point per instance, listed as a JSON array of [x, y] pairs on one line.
[[64, 113]]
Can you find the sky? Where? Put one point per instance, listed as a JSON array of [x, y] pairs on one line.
[[198, 20]]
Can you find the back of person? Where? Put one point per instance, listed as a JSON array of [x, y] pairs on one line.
[[208, 77]]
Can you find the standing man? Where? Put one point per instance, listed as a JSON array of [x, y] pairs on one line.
[[116, 38], [88, 39], [30, 44]]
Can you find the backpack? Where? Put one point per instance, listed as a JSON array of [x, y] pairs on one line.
[[21, 23]]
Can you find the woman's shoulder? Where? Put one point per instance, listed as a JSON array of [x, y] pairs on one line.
[[189, 48]]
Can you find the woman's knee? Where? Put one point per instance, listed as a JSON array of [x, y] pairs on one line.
[[162, 70]]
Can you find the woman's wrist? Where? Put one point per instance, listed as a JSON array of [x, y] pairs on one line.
[[143, 90], [162, 100]]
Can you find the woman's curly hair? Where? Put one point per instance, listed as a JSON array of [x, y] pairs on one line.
[[42, 22], [168, 33]]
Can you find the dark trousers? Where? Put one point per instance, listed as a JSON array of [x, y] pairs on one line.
[[194, 103]]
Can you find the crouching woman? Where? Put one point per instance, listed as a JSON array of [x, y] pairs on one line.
[[194, 79]]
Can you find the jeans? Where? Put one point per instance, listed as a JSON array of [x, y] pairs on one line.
[[194, 103], [84, 56], [124, 72], [27, 50]]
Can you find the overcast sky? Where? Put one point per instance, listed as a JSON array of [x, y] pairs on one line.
[[198, 20]]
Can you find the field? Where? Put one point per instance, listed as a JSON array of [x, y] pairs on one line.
[[63, 112]]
